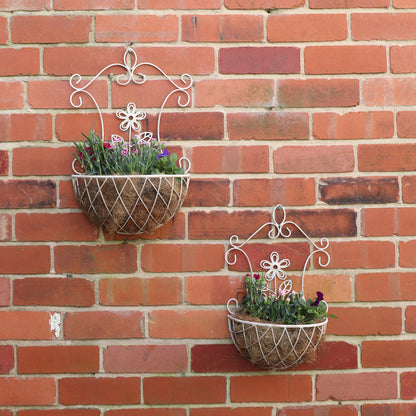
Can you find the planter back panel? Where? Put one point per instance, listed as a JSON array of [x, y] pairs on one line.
[[308, 104]]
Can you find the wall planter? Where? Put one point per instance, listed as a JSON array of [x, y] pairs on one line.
[[129, 200], [294, 326]]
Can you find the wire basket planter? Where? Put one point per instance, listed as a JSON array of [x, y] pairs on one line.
[[269, 344], [131, 204]]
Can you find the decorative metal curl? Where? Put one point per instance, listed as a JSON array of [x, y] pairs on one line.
[[274, 267]]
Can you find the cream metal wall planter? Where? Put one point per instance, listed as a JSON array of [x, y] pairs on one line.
[[131, 204], [269, 344]]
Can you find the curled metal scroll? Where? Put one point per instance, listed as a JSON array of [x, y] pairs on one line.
[[275, 266]]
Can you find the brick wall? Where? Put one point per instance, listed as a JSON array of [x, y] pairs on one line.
[[307, 103]]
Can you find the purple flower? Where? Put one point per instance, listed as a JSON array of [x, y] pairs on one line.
[[319, 298], [256, 276], [164, 154]]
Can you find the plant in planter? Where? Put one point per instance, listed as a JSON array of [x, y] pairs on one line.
[[273, 326], [132, 185]]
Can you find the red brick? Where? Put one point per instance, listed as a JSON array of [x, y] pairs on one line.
[[232, 411], [27, 325], [145, 359], [384, 287], [327, 410], [36, 391], [27, 194], [229, 159], [403, 59], [260, 60], [66, 195], [25, 127], [234, 93], [410, 319], [318, 92], [140, 291], [203, 290], [4, 291], [268, 126], [205, 192], [361, 254], [409, 189], [59, 412], [335, 287], [6, 359], [96, 5], [36, 259], [188, 324], [103, 325], [222, 28], [136, 28], [404, 4], [348, 59], [365, 321], [9, 5], [353, 126], [53, 291], [221, 224], [181, 390], [386, 157], [406, 253], [264, 4], [388, 91], [54, 227], [295, 252], [39, 94], [179, 4], [58, 359], [347, 4], [271, 388], [151, 411], [4, 162], [213, 358], [391, 409], [382, 354], [5, 412], [406, 126], [306, 27], [313, 159], [182, 257], [55, 29], [362, 190], [102, 390], [23, 61], [408, 385], [96, 259], [4, 30], [383, 26], [265, 192], [356, 386], [12, 96]]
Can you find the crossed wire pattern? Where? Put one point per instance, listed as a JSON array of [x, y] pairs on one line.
[[274, 345], [130, 204]]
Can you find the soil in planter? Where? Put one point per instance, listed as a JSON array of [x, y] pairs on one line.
[[130, 205], [273, 346]]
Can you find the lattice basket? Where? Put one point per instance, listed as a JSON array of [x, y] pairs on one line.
[[134, 204], [274, 345]]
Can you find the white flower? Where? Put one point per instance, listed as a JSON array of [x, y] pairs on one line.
[[275, 267], [131, 118]]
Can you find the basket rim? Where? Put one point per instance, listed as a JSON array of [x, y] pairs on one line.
[[262, 323], [185, 175]]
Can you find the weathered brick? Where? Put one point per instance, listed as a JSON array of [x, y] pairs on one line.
[[95, 5], [27, 194], [178, 390], [406, 253], [313, 159], [145, 359], [140, 291], [59, 412], [58, 359], [150, 411], [224, 28], [25, 127], [347, 4], [406, 126], [382, 354], [55, 29], [391, 409], [4, 162], [4, 31], [388, 91], [102, 390], [103, 325], [179, 4], [66, 195], [136, 28], [32, 5], [408, 385], [53, 291], [4, 291], [25, 325], [12, 96], [409, 189], [36, 259], [353, 126], [404, 4], [335, 287], [205, 192], [33, 391], [306, 27], [24, 61], [356, 386], [334, 410], [264, 4], [318, 92], [268, 126], [231, 411], [6, 359], [260, 60]]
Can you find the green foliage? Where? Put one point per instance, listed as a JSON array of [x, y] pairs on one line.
[[144, 157], [287, 309]]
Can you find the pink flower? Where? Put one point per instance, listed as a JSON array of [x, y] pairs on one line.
[[124, 151], [107, 146], [282, 292]]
